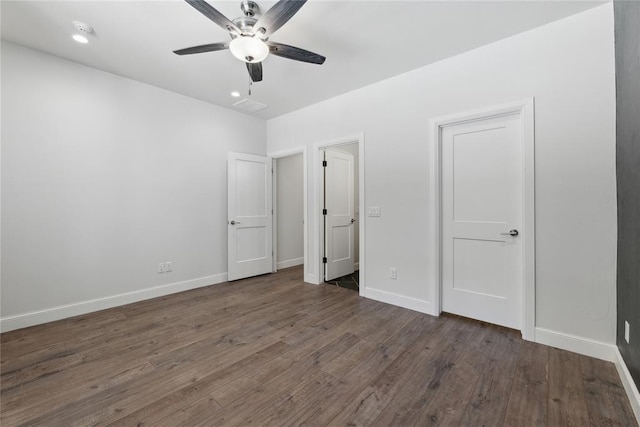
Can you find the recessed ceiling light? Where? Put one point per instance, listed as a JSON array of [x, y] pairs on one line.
[[82, 32], [235, 94], [80, 38]]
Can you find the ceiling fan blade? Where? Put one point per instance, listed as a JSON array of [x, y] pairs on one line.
[[210, 12], [203, 48], [255, 71], [277, 16], [295, 53]]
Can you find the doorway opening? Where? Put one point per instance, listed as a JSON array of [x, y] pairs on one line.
[[288, 213], [340, 199], [341, 216], [290, 209]]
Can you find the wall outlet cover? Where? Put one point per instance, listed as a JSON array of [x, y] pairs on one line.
[[626, 331]]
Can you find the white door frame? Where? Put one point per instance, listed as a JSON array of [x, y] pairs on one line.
[[280, 155], [526, 110], [316, 213]]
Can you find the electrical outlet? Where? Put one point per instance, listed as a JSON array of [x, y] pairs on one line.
[[393, 273], [626, 331], [161, 267], [168, 266]]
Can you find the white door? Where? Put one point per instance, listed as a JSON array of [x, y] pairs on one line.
[[249, 215], [482, 218], [339, 217]]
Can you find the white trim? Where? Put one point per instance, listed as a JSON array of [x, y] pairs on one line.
[[525, 109], [399, 300], [576, 344], [274, 215], [317, 176], [291, 262], [356, 265], [19, 321], [628, 383], [279, 155]]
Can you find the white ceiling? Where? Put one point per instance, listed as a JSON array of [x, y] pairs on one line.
[[364, 41]]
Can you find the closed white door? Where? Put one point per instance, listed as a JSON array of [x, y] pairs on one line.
[[249, 215], [482, 218], [339, 217]]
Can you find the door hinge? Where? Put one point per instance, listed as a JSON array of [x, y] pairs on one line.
[[324, 260], [324, 163], [324, 211]]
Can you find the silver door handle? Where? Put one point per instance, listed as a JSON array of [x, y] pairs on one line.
[[512, 232], [234, 222]]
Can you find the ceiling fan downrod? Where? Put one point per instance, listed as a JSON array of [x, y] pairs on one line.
[[249, 8]]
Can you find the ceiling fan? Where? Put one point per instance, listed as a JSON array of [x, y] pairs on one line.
[[250, 34]]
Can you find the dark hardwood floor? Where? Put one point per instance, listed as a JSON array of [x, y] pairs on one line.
[[274, 351]]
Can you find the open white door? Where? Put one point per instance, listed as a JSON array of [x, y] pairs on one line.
[[249, 215], [339, 217]]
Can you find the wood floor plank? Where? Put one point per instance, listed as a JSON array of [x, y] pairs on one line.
[[446, 387], [272, 350], [604, 394], [527, 399], [566, 399], [355, 374], [289, 372], [489, 403], [174, 406], [372, 400]]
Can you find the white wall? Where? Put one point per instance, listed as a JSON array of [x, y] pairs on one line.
[[102, 179], [290, 210], [568, 67]]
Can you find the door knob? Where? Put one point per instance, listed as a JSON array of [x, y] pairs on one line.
[[234, 222], [512, 232], [352, 220]]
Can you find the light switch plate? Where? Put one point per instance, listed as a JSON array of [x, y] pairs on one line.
[[374, 211]]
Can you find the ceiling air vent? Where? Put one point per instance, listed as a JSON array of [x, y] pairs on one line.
[[249, 105]]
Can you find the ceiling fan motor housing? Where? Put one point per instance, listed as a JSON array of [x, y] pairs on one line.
[[245, 23]]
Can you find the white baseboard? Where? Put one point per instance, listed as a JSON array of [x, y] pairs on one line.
[[19, 321], [397, 299], [628, 383], [290, 263], [576, 344], [356, 266]]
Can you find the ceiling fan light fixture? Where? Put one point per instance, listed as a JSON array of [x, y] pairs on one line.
[[249, 49]]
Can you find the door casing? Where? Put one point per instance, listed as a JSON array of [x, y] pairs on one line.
[[525, 109]]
